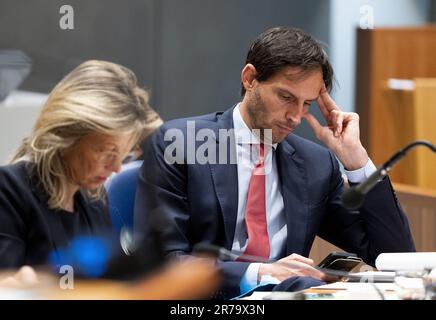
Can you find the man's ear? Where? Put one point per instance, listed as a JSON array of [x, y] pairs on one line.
[[248, 77]]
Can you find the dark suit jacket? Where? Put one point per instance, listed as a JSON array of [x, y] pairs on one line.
[[198, 202], [29, 230]]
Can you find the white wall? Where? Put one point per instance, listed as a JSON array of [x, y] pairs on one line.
[[18, 113], [344, 19]]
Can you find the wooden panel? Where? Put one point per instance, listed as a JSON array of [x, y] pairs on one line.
[[420, 207], [412, 115], [425, 108], [384, 53], [400, 131]]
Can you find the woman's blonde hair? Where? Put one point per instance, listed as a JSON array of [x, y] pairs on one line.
[[96, 97]]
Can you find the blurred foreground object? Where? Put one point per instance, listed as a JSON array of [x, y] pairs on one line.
[[25, 277], [193, 279], [430, 285], [110, 257], [185, 280]]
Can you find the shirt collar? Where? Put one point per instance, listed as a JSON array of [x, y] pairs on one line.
[[243, 134]]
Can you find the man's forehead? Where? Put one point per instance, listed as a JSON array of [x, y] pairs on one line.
[[301, 95], [299, 74], [304, 85]]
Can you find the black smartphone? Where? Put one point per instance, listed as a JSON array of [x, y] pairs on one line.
[[341, 261]]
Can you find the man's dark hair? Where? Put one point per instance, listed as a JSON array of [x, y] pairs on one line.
[[282, 47]]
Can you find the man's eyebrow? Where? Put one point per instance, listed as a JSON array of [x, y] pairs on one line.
[[284, 91], [313, 99], [294, 96]]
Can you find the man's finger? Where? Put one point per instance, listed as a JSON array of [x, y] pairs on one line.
[[314, 273], [329, 103], [313, 122], [295, 265], [337, 121], [299, 268], [322, 108], [297, 257]]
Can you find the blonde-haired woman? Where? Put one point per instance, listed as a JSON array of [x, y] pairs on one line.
[[53, 189]]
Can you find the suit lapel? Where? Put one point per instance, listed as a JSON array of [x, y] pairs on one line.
[[293, 178], [225, 178]]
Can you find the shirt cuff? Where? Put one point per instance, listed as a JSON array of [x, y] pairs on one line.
[[249, 279], [357, 176]]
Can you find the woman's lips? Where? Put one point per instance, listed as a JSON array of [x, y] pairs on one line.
[[100, 179]]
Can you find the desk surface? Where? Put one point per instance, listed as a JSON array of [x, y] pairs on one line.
[[346, 291]]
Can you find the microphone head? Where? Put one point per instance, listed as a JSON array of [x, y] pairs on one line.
[[352, 198], [207, 249]]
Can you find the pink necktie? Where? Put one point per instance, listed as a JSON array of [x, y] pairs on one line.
[[255, 212]]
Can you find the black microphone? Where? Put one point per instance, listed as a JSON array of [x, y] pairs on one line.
[[353, 198]]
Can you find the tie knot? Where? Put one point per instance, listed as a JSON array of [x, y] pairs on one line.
[[259, 152]]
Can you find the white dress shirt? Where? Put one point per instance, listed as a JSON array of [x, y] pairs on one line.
[[275, 216]]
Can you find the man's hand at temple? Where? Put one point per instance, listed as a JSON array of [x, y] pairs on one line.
[[341, 135]]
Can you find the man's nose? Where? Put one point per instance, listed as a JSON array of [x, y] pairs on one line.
[[294, 118]]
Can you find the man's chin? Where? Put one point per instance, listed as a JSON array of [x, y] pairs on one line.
[[278, 139]]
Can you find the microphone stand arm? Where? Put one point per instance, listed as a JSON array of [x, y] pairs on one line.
[[353, 197], [401, 153]]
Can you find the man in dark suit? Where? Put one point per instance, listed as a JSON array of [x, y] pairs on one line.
[[242, 180]]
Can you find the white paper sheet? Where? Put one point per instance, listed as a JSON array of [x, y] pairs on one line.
[[406, 261]]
